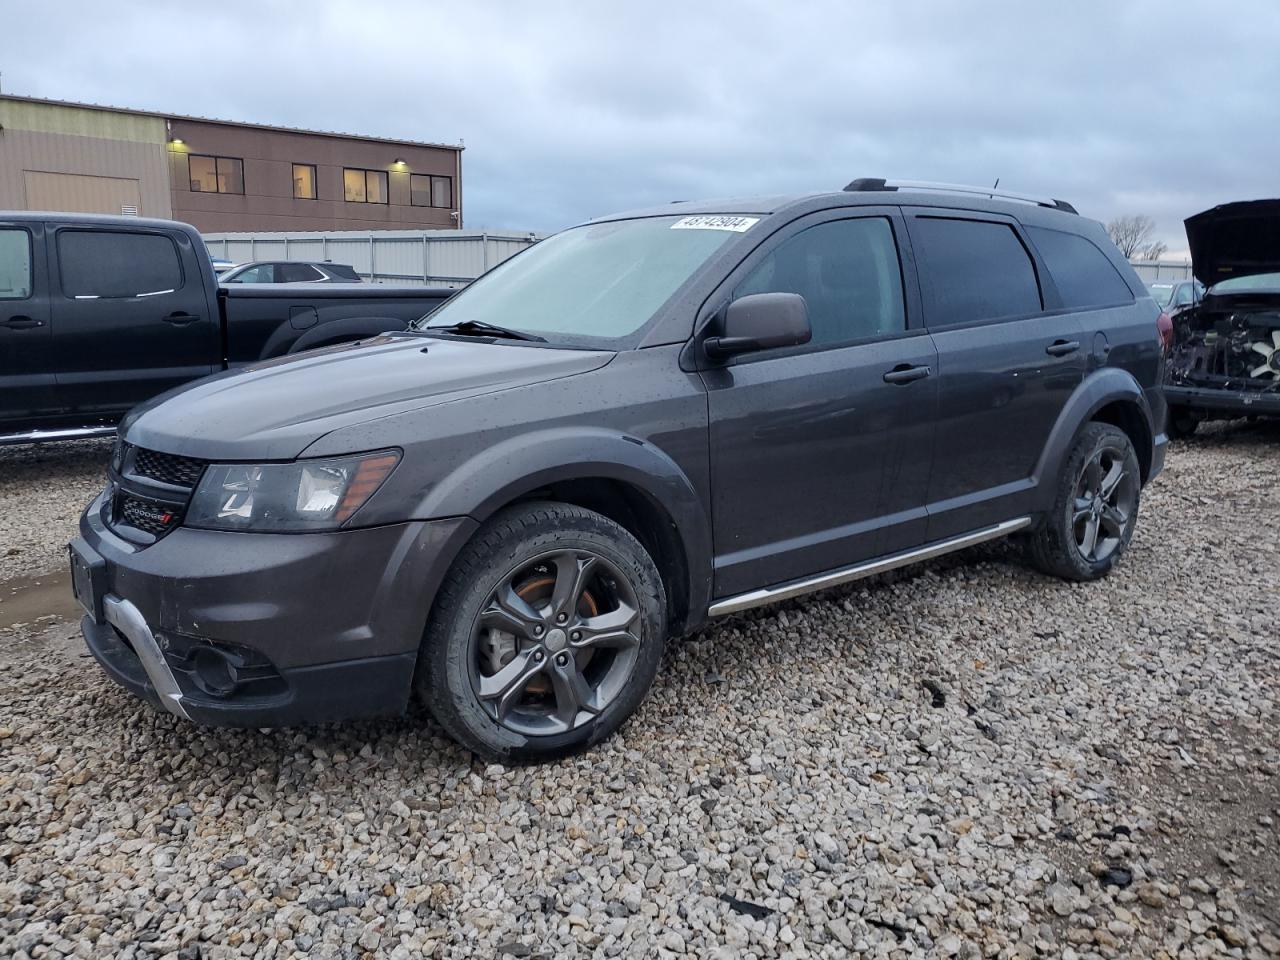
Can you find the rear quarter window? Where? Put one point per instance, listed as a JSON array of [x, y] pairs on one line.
[[1083, 274], [976, 270], [109, 264]]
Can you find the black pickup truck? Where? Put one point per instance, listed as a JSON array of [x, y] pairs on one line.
[[98, 314]]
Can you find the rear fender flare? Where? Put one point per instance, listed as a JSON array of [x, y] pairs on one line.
[[1098, 389]]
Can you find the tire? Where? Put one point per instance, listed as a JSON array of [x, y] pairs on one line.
[[1090, 496], [520, 661], [1181, 423]]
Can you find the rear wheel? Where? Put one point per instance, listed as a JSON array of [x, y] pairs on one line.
[[546, 634], [1096, 507]]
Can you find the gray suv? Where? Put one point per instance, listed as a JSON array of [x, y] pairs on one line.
[[640, 424]]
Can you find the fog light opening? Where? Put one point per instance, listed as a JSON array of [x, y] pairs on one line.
[[216, 673]]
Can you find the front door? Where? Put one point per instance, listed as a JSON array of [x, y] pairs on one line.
[[1006, 366], [26, 377], [817, 460], [131, 318]]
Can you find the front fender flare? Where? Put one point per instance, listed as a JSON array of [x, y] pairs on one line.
[[500, 474], [1097, 390]]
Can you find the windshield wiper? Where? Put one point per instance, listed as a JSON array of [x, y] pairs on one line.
[[478, 328]]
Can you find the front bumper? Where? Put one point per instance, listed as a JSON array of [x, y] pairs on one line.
[[322, 626], [1241, 403]]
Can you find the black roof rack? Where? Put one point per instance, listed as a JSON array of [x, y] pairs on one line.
[[872, 184]]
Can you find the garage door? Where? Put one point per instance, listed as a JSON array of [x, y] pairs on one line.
[[77, 193]]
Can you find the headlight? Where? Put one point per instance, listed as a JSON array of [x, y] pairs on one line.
[[306, 495]]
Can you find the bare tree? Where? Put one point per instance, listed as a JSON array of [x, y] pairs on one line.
[[1154, 250], [1132, 233]]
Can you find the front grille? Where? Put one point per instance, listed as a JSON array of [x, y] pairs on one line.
[[167, 467], [148, 516]]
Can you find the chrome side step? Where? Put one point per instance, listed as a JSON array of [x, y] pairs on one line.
[[68, 433], [833, 578]]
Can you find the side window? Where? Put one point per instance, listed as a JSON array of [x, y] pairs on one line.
[[296, 273], [15, 265], [1082, 273], [107, 264], [848, 273], [977, 270]]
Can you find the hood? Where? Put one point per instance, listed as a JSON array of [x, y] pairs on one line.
[[275, 409], [1235, 240]]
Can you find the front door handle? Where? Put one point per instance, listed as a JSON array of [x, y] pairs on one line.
[[180, 319], [23, 323], [907, 373], [1060, 348]]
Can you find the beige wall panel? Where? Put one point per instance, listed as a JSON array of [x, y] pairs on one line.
[[77, 193], [24, 150]]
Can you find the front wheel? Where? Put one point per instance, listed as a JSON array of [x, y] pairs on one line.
[[1182, 422], [1095, 509], [545, 635]]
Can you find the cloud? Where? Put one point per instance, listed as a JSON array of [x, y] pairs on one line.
[[570, 110]]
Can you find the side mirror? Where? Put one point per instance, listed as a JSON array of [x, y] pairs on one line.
[[761, 321]]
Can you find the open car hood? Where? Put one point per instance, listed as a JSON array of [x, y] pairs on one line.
[[1235, 240]]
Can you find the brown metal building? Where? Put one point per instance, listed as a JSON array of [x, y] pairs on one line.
[[220, 175]]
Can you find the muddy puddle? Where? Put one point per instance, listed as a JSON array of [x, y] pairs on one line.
[[37, 601]]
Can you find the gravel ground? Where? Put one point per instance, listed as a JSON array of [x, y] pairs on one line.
[[963, 759]]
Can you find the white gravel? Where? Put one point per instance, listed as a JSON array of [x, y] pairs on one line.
[[965, 759]]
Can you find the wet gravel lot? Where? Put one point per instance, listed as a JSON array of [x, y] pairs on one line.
[[964, 759]]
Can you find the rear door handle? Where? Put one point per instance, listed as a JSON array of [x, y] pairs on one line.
[[907, 373], [180, 319], [23, 323], [1060, 348]]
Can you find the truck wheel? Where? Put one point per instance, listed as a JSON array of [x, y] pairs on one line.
[[1095, 508], [545, 635], [1181, 423]]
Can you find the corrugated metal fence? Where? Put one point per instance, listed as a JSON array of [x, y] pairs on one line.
[[450, 258], [1149, 271]]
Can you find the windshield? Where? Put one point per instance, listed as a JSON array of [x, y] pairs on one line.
[[1160, 292], [1258, 281], [592, 284]]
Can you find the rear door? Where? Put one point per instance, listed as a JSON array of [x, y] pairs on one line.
[[26, 377], [1006, 364], [817, 460], [131, 318]]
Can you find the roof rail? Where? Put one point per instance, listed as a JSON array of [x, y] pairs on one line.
[[864, 184]]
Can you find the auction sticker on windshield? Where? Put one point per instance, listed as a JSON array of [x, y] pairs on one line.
[[735, 224]]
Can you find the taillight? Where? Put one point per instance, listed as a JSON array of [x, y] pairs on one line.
[[1164, 330]]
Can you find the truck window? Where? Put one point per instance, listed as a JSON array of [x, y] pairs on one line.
[[15, 264], [1082, 273], [848, 273], [977, 270], [108, 264]]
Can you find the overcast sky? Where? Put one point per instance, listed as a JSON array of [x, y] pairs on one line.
[[571, 110]]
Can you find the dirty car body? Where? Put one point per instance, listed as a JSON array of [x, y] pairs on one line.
[[313, 537]]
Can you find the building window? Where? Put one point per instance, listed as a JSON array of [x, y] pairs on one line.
[[365, 186], [429, 191], [304, 181], [215, 174]]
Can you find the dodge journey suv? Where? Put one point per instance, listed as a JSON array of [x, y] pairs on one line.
[[639, 424]]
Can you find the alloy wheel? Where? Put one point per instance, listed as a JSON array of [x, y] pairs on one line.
[[555, 642], [1105, 497]]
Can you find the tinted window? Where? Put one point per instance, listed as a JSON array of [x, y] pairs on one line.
[[296, 273], [1081, 272], [15, 265], [848, 273], [975, 269], [343, 272], [105, 264]]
